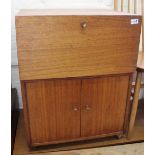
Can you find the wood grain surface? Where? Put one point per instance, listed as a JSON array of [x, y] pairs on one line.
[[59, 47], [103, 105], [21, 147], [26, 113], [75, 72], [51, 106], [60, 110]]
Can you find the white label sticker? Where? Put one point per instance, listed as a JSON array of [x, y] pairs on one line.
[[134, 21]]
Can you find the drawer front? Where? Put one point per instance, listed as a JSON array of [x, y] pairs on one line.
[[72, 46]]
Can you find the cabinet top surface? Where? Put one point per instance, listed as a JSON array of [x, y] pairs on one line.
[[55, 12]]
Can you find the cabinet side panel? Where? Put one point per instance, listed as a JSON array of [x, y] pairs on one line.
[[25, 112], [106, 97], [128, 107]]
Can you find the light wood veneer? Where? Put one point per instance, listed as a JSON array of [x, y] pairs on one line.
[[76, 71], [58, 47]]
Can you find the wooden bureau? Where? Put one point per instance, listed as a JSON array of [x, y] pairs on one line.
[[76, 71]]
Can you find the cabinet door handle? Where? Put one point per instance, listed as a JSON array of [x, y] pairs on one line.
[[83, 25], [88, 107], [75, 109]]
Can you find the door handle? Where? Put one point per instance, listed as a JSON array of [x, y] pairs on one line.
[[75, 108], [83, 25], [87, 107]]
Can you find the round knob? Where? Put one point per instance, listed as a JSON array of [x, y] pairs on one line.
[[83, 24], [75, 109], [87, 107]]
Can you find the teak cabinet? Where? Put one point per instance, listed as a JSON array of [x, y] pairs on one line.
[[76, 71]]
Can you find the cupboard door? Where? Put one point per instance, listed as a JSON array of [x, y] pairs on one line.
[[53, 107], [103, 105]]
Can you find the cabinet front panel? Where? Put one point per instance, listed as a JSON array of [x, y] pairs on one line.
[[103, 105], [75, 46], [54, 110]]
